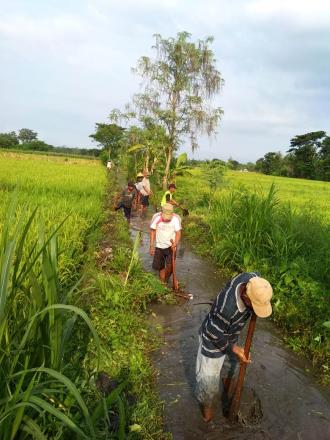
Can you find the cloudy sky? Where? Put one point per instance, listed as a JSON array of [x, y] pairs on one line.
[[66, 63]]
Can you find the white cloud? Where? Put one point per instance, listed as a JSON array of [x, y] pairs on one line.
[[70, 61], [304, 13], [43, 29]]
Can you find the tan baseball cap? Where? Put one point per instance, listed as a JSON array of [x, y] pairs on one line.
[[260, 293], [167, 211]]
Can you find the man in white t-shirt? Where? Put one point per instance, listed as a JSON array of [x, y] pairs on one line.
[[165, 226], [145, 191]]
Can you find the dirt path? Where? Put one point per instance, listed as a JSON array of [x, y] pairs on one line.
[[285, 400]]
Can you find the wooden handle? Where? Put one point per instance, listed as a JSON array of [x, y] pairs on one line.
[[234, 407], [173, 268]]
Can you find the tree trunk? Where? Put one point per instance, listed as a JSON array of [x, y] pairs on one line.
[[167, 167], [146, 163]]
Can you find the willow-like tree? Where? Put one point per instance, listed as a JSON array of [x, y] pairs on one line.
[[179, 84]]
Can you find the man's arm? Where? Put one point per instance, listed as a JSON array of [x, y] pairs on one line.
[[177, 239], [152, 241]]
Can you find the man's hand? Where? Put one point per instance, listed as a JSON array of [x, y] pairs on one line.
[[173, 245], [239, 351], [152, 250]]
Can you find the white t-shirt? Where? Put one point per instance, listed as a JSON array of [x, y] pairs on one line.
[[165, 231], [146, 184], [138, 186]]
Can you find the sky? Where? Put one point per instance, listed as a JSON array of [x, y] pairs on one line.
[[65, 64]]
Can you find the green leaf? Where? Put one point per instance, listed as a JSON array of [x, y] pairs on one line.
[[59, 415], [32, 428], [70, 386], [113, 396]]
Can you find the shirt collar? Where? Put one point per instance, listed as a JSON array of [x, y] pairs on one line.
[[240, 304]]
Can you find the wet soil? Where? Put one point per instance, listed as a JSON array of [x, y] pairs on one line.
[[281, 400]]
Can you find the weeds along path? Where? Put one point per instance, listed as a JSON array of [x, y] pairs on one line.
[[281, 399]]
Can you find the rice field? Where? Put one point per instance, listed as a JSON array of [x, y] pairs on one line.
[[48, 205], [300, 193], [61, 189]]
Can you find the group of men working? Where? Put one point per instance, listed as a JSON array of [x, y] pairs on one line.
[[135, 195], [243, 295]]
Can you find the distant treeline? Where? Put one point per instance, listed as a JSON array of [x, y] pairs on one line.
[[27, 140], [308, 158]]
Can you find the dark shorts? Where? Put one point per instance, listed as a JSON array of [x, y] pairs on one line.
[[127, 210], [162, 258], [144, 200]]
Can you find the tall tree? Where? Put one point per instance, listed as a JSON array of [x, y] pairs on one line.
[[8, 140], [304, 153], [108, 136], [271, 163], [27, 135], [179, 84], [324, 156]]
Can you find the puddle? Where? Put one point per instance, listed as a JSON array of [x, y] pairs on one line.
[[280, 400]]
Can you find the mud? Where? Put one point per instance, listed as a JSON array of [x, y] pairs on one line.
[[281, 400]]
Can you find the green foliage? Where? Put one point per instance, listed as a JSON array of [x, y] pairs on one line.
[[146, 144], [58, 329], [109, 136], [26, 135], [8, 140], [271, 163], [308, 158], [34, 332], [117, 299], [36, 145]]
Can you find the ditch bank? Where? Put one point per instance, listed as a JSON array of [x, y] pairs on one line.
[[281, 398]]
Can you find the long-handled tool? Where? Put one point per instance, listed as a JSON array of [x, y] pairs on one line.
[[235, 402], [176, 288], [185, 211]]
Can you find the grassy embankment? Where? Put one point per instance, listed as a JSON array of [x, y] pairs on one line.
[[50, 352], [282, 232]]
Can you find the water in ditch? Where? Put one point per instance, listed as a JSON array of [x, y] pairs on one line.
[[281, 399]]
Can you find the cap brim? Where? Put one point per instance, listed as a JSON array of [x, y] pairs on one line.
[[167, 216], [262, 311]]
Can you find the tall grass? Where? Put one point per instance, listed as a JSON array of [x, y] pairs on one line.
[[34, 332]]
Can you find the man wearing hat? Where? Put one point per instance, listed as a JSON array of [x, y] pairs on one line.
[[126, 200], [168, 196], [220, 329], [138, 187], [145, 191], [165, 226]]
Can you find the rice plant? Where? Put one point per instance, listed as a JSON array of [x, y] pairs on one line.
[[34, 332]]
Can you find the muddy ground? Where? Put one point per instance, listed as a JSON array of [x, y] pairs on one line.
[[281, 398]]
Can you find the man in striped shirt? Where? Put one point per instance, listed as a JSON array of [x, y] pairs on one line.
[[220, 330]]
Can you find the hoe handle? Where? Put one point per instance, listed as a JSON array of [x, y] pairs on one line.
[[234, 406], [174, 269]]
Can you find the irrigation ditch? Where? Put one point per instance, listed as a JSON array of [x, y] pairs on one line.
[[281, 398]]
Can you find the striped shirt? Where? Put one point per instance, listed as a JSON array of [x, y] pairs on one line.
[[227, 317]]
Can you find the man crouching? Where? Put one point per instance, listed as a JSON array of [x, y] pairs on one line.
[[165, 226], [220, 329]]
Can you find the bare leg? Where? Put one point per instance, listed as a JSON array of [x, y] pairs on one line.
[[162, 275], [168, 270], [207, 413]]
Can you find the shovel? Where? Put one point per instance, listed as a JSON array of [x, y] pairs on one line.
[[185, 211], [176, 288], [235, 402]]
